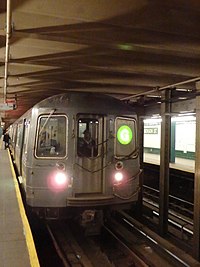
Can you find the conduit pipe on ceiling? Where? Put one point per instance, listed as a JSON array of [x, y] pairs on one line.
[[170, 86], [8, 35]]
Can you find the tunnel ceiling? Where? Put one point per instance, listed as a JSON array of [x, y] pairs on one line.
[[122, 48]]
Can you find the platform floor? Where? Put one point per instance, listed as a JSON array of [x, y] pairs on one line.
[[180, 164], [17, 248]]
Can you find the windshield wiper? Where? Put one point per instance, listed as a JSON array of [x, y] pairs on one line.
[[47, 119]]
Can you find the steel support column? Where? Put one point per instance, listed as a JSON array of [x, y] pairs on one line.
[[196, 236], [164, 162], [141, 150], [173, 142], [8, 36]]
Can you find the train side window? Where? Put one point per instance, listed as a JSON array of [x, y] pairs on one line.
[[14, 133], [10, 132], [125, 132], [51, 136], [88, 132], [26, 134], [19, 135]]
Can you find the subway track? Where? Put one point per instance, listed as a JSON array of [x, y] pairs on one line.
[[176, 204], [150, 247], [123, 241], [180, 226], [181, 184], [180, 213], [75, 249]]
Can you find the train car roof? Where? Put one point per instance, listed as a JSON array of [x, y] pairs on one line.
[[87, 102]]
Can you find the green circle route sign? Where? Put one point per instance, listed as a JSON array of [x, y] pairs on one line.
[[124, 134]]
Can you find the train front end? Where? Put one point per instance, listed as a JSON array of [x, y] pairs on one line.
[[83, 162]]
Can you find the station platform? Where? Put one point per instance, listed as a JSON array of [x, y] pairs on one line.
[[17, 247], [186, 165]]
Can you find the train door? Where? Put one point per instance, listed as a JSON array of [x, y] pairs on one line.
[[13, 139], [89, 154], [19, 145], [25, 150]]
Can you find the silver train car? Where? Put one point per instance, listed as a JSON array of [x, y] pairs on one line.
[[77, 152]]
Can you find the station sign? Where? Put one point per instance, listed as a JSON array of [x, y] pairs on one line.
[[153, 130], [7, 106]]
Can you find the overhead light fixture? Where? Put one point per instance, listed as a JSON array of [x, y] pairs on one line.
[[154, 96], [125, 46], [182, 98], [183, 90]]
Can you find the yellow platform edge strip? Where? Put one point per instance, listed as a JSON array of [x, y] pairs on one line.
[[28, 235]]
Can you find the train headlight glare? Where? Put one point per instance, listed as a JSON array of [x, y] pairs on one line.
[[60, 178], [58, 181], [118, 176], [124, 135]]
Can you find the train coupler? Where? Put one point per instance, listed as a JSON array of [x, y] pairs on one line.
[[52, 213], [92, 221]]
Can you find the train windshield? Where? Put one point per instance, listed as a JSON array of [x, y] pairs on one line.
[[88, 132], [51, 136], [125, 141]]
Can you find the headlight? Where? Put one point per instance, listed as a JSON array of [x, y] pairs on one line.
[[58, 181], [118, 177], [60, 178]]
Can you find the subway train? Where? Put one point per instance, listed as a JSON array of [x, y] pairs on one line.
[[77, 153]]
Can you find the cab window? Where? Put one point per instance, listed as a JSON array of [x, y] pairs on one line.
[[51, 136], [87, 143]]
